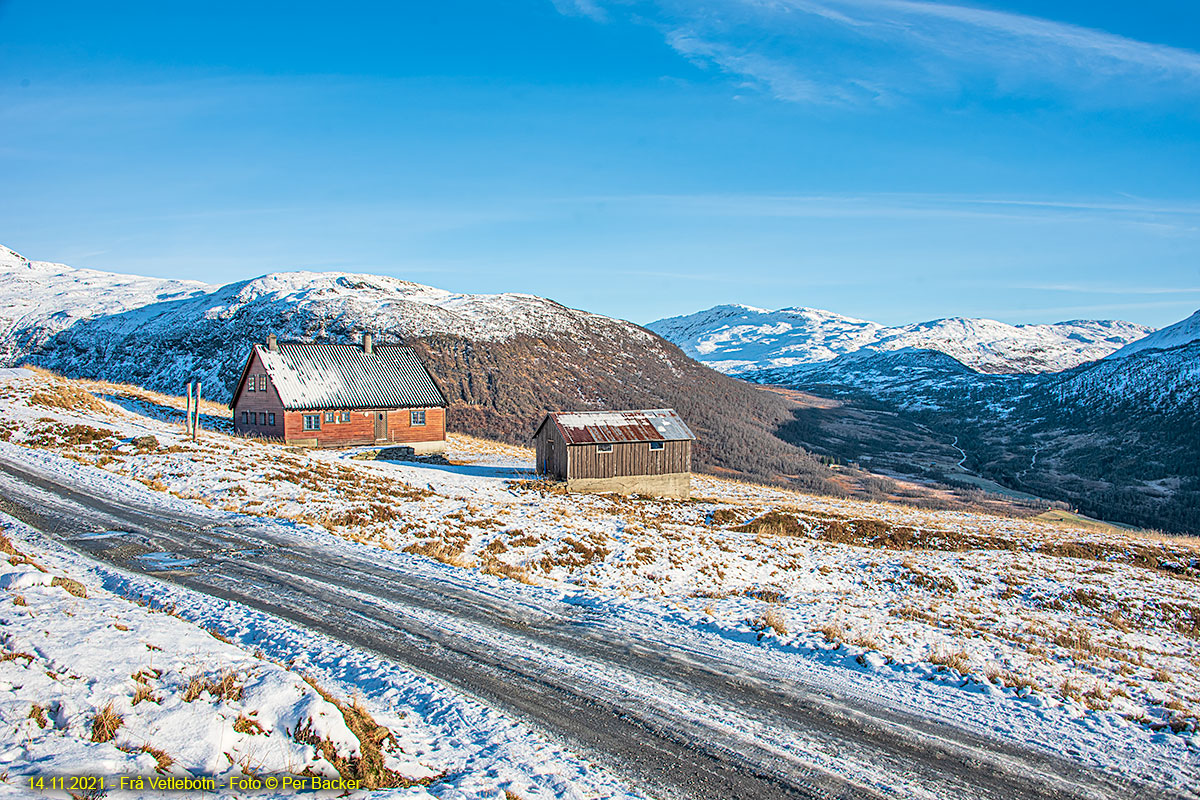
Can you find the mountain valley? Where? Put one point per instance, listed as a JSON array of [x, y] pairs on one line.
[[1116, 437]]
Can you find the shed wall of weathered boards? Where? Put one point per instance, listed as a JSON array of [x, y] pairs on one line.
[[628, 458], [568, 462]]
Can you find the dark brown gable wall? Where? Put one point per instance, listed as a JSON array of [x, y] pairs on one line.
[[258, 402]]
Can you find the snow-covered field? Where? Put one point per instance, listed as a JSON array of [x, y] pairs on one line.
[[142, 682], [1083, 642]]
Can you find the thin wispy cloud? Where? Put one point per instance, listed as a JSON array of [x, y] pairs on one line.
[[885, 51], [1182, 218], [581, 8], [1076, 288]]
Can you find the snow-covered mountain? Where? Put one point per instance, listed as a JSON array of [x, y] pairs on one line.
[[1143, 382], [503, 360], [1183, 332], [42, 299], [738, 339], [70, 317]]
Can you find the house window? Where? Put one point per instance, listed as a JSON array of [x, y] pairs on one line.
[[271, 419], [331, 416], [252, 384], [344, 416], [312, 422], [417, 417], [245, 417], [253, 418], [604, 448], [262, 382], [656, 445]]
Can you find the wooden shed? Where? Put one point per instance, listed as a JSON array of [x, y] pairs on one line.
[[630, 452], [340, 395]]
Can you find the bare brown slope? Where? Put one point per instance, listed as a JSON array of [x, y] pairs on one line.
[[502, 389]]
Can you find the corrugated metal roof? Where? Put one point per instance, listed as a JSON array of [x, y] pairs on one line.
[[648, 425], [318, 376]]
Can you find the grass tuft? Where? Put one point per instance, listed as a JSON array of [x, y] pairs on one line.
[[244, 724], [106, 723], [775, 620], [162, 760], [71, 585], [374, 742], [958, 661], [143, 692], [37, 713]]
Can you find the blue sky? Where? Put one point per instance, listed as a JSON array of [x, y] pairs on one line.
[[887, 159]]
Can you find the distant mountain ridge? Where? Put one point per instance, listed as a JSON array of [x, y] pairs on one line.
[[1119, 437], [737, 339]]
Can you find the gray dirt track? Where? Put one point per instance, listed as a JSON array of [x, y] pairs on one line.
[[371, 603]]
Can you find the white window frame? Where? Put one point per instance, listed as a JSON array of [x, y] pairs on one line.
[[657, 445], [330, 416], [311, 418], [416, 418]]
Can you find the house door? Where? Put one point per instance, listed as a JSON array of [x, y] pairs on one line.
[[380, 424]]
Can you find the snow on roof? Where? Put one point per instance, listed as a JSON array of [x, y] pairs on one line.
[[649, 425], [319, 376]]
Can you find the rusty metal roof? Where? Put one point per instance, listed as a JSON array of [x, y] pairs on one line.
[[648, 425], [328, 376]]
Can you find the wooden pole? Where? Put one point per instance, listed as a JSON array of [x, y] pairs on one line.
[[187, 420], [196, 427]]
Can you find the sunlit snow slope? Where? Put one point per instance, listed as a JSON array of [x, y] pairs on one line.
[[1181, 333]]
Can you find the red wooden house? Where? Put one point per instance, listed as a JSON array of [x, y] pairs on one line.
[[340, 395]]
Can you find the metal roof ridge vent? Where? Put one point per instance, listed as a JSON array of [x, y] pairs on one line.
[[272, 343], [368, 343]]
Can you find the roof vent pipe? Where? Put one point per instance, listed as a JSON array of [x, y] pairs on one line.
[[272, 343], [368, 343]]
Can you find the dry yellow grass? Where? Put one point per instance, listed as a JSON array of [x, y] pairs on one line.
[[106, 723], [162, 761], [834, 632], [958, 660], [775, 620], [71, 585], [374, 740], [143, 693], [244, 724], [227, 686], [37, 713]]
